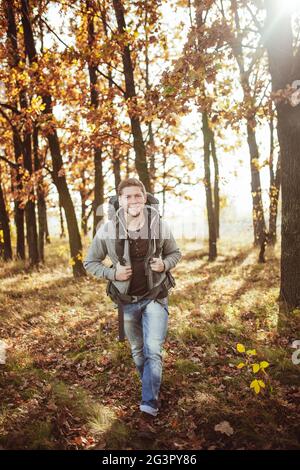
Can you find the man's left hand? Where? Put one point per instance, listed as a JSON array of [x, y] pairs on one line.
[[157, 265]]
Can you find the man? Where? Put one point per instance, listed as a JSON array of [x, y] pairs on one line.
[[142, 279]]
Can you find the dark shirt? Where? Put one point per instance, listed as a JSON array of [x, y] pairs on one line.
[[138, 250], [138, 246]]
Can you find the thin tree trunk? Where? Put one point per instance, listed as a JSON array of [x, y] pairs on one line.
[[209, 147], [208, 191], [115, 153], [83, 197], [151, 143], [62, 226], [130, 94], [5, 240], [116, 168], [98, 165], [258, 218], [18, 210], [164, 183], [41, 204], [274, 188], [216, 183], [47, 234]]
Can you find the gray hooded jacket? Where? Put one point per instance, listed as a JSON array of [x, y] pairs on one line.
[[104, 244]]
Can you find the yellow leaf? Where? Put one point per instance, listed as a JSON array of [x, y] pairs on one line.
[[262, 383], [240, 365], [264, 364], [255, 384], [255, 368], [240, 347], [251, 352]]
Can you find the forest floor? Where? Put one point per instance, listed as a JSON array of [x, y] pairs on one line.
[[69, 384]]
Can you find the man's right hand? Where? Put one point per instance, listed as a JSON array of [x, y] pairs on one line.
[[123, 272]]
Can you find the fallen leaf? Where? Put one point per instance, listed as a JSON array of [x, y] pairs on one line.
[[224, 427]]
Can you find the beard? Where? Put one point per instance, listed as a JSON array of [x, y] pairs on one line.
[[134, 212]]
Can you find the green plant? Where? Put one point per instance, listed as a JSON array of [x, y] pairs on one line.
[[258, 368]]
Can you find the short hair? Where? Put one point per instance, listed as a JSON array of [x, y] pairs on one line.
[[130, 182]]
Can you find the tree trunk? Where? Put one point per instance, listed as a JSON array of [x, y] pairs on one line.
[[151, 142], [274, 189], [65, 200], [47, 234], [285, 68], [212, 236], [98, 165], [18, 210], [216, 183], [41, 203], [61, 219], [5, 240], [258, 217], [84, 215], [130, 94], [30, 216], [209, 148], [116, 167]]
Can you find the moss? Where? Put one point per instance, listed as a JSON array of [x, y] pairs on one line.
[[119, 436], [185, 366], [191, 334]]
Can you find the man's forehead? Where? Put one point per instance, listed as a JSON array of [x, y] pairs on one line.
[[131, 191]]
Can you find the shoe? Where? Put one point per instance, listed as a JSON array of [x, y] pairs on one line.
[[148, 409]]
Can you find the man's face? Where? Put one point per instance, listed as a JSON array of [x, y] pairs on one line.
[[132, 200]]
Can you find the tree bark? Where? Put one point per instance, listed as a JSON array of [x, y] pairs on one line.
[[274, 189], [61, 219], [216, 183], [41, 203], [5, 240], [47, 234], [258, 218], [212, 235], [98, 164], [285, 68], [18, 210], [130, 94]]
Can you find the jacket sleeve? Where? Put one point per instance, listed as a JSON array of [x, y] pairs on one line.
[[171, 254], [95, 255]]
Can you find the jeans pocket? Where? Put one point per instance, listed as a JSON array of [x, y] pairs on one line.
[[164, 303]]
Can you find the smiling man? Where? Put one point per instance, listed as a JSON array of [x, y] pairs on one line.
[[143, 250]]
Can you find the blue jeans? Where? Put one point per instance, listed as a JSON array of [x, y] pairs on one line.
[[145, 325]]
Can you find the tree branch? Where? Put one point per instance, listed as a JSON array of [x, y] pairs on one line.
[[12, 164]]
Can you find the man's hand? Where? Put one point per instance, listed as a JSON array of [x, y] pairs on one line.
[[157, 265], [123, 272]]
